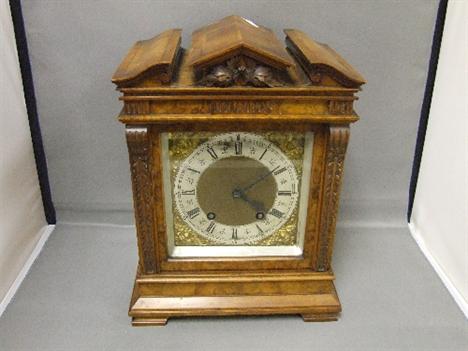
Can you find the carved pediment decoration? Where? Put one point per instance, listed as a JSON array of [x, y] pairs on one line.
[[240, 70], [236, 51]]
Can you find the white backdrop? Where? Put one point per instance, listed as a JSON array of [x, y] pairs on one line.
[[440, 214], [22, 221]]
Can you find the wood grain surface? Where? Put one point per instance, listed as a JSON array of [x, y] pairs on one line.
[[318, 97]]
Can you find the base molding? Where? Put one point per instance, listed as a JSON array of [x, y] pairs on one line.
[[157, 298], [320, 317], [146, 322]]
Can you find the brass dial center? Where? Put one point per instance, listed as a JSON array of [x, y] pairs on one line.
[[222, 190]]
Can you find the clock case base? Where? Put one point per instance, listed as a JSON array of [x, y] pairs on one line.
[[155, 299]]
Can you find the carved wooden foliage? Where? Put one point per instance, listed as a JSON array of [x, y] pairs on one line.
[[336, 150], [240, 70], [140, 166]]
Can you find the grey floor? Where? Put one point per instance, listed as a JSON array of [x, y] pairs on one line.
[[76, 297]]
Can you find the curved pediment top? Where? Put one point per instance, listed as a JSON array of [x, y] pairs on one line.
[[233, 36], [317, 59], [234, 52], [156, 56]]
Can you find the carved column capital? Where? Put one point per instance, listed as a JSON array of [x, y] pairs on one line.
[[139, 148], [334, 162], [137, 139]]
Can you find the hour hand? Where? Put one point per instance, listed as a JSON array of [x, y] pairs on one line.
[[256, 205]]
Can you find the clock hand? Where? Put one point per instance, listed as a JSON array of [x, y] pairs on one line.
[[256, 205], [259, 179]]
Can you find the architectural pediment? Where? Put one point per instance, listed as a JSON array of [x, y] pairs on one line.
[[319, 60], [234, 52], [154, 57]]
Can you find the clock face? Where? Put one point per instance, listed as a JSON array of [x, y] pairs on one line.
[[235, 194], [236, 189]]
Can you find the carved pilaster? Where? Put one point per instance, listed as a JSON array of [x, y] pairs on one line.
[[336, 150], [139, 148]]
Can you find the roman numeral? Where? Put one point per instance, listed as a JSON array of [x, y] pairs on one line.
[[212, 152], [276, 213], [263, 154], [211, 227], [193, 170], [238, 146], [193, 213], [281, 170], [284, 193], [234, 233], [188, 192], [259, 229]]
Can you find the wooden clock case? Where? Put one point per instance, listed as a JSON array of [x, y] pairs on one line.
[[214, 86]]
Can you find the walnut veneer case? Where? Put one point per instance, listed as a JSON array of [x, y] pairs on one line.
[[236, 150]]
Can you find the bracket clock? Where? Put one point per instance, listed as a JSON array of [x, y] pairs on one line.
[[236, 150]]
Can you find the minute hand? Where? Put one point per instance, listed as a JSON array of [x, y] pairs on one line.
[[259, 179]]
